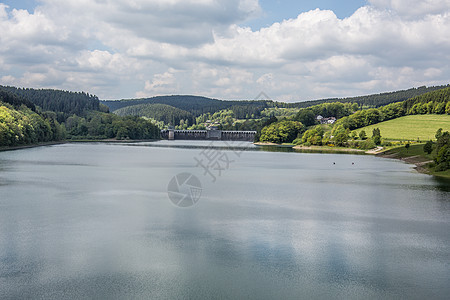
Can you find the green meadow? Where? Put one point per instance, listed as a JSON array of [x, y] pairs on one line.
[[416, 127]]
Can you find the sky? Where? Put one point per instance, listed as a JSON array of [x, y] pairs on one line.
[[234, 49]]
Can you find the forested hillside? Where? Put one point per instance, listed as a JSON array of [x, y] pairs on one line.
[[21, 125], [22, 122], [433, 102], [375, 100], [161, 112], [63, 102], [194, 104], [197, 105], [15, 101]]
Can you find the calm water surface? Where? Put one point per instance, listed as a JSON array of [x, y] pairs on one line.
[[95, 221]]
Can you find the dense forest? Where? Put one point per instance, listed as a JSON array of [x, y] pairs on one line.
[[24, 122]]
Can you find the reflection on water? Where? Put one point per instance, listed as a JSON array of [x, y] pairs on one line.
[[443, 184], [95, 221]]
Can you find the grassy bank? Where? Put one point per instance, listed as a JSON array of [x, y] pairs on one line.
[[415, 155]]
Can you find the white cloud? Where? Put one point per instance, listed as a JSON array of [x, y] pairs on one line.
[[413, 8], [265, 79], [8, 79], [122, 48], [160, 84]]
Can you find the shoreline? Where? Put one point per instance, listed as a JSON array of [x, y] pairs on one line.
[[29, 146], [420, 163], [317, 149], [320, 149], [19, 147]]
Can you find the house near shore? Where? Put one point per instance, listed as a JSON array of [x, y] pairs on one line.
[[323, 120]]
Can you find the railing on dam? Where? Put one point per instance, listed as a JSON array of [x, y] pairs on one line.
[[218, 135]]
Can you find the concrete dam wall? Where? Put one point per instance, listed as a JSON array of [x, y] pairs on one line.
[[218, 135]]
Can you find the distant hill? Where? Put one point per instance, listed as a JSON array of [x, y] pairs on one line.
[[161, 112], [196, 105], [375, 100]]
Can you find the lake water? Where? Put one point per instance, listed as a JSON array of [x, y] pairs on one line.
[[95, 221]]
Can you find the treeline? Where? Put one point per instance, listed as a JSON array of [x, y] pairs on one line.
[[98, 125], [436, 102], [161, 112], [375, 100], [250, 109], [64, 103]]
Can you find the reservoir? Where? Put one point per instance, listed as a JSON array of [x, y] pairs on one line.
[[109, 221]]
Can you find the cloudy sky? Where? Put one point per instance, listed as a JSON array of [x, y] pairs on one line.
[[292, 50]]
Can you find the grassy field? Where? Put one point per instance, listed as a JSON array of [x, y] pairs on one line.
[[422, 127]]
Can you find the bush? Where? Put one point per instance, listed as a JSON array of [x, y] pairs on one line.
[[428, 147], [354, 144], [385, 143], [368, 144], [442, 158], [362, 135]]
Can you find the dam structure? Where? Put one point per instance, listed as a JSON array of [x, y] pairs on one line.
[[213, 134]]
